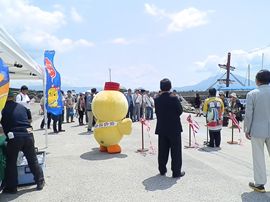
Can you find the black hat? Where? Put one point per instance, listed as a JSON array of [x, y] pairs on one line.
[[24, 87]]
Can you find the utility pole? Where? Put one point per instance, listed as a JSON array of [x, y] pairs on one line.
[[262, 59], [228, 68], [110, 74], [248, 74]]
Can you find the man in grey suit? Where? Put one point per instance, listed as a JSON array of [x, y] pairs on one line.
[[257, 127]]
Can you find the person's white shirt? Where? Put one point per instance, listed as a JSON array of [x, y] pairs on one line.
[[148, 101], [23, 99], [137, 99]]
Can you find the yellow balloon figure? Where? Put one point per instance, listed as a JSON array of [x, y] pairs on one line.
[[110, 107], [53, 97]]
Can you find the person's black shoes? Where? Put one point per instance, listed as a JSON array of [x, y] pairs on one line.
[[209, 145], [258, 188], [162, 171], [7, 190], [40, 185], [178, 175]]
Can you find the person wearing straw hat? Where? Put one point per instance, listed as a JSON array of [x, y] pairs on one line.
[[235, 107], [18, 130]]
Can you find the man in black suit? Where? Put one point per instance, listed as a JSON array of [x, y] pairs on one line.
[[169, 128]]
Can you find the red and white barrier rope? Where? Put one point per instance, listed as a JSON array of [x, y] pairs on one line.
[[194, 127], [147, 125]]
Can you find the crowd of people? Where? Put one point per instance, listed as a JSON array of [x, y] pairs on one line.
[[140, 104], [231, 105], [75, 106]]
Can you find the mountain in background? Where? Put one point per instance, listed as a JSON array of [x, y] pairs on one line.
[[201, 86], [205, 84], [64, 88]]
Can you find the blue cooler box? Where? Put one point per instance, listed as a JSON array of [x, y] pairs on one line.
[[24, 174]]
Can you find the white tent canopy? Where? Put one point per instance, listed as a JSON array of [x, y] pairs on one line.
[[21, 65]]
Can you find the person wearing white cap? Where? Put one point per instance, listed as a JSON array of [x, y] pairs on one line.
[[235, 107]]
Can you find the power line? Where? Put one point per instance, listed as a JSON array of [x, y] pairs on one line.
[[253, 51]]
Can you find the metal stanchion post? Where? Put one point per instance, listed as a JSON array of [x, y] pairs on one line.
[[232, 141], [207, 134], [142, 149]]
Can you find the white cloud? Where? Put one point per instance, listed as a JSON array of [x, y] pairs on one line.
[[239, 59], [186, 19], [153, 10], [20, 14], [37, 27], [121, 41], [85, 43], [76, 17], [48, 41], [182, 20]]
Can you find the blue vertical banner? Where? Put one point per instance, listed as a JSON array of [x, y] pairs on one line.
[[4, 83], [54, 102]]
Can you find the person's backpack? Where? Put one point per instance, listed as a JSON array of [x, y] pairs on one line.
[[212, 114]]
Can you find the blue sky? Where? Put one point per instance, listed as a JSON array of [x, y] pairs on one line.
[[141, 41]]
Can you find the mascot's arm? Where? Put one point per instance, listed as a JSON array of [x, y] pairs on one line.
[[124, 126]]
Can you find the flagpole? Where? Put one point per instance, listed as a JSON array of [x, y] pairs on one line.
[[45, 110], [110, 74]]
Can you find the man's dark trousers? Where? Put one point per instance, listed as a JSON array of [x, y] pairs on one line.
[[215, 138], [165, 143], [26, 145], [130, 112], [49, 118], [57, 119]]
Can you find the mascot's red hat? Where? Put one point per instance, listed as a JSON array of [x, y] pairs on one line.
[[112, 86]]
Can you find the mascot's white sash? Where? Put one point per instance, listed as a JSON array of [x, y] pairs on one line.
[[106, 124]]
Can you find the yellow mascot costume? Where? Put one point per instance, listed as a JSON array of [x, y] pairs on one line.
[[110, 108]]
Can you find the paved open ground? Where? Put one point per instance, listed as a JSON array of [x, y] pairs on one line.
[[77, 171]]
